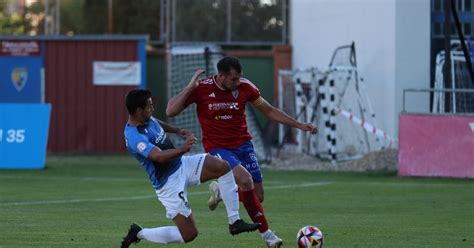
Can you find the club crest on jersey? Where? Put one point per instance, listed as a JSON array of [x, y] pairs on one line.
[[141, 146], [19, 77], [235, 93]]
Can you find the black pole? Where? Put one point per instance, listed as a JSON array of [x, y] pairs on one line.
[[447, 49], [463, 42]]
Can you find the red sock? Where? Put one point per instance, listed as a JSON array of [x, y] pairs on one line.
[[254, 208], [241, 195]]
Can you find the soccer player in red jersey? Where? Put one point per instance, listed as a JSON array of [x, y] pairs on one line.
[[221, 101]]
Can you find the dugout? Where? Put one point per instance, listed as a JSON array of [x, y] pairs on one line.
[[85, 80]]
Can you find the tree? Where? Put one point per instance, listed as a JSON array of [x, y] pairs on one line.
[[10, 23]]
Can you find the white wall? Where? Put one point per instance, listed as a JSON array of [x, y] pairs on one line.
[[392, 45]]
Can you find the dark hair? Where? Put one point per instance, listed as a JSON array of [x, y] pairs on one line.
[[136, 98], [227, 63]]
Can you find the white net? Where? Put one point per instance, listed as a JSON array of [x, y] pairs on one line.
[[182, 61], [455, 101], [336, 102]]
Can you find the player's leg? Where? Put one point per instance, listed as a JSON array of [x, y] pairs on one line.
[[187, 227], [260, 191], [217, 168], [184, 231], [241, 176], [173, 197], [252, 202]]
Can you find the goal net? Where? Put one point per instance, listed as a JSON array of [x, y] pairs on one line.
[[461, 97], [183, 59], [336, 101]]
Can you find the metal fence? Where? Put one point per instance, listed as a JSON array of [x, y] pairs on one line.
[[454, 101]]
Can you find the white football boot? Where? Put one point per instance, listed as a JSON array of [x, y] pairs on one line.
[[271, 239], [215, 196]]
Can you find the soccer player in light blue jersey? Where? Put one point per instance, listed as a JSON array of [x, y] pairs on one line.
[[171, 174]]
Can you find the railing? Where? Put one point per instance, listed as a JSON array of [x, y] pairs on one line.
[[466, 101]]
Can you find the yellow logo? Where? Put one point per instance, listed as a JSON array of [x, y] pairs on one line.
[[19, 78]]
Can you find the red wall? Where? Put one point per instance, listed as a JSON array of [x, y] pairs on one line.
[[441, 146], [85, 119]]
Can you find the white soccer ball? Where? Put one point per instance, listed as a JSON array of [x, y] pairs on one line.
[[309, 237]]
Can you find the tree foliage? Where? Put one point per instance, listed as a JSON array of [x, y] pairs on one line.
[[194, 20]]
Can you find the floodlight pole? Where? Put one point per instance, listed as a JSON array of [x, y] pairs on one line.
[[110, 18]]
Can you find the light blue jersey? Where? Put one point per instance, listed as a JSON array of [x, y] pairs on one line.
[[141, 140]]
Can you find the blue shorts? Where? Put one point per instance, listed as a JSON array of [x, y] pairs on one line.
[[243, 155]]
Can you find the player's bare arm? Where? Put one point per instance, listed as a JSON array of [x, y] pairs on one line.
[[176, 103], [162, 156], [277, 115], [183, 133]]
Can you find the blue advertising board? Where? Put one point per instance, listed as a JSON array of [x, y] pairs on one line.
[[20, 79], [23, 135]]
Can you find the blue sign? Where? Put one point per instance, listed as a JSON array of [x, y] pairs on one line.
[[20, 79], [23, 135]]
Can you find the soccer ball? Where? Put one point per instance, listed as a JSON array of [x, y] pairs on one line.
[[309, 237]]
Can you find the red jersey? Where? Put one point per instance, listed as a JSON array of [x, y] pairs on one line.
[[221, 113]]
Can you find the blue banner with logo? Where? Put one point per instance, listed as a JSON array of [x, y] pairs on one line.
[[20, 79], [23, 135]]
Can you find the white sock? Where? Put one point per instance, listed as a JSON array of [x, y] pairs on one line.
[[264, 234], [161, 235], [228, 190]]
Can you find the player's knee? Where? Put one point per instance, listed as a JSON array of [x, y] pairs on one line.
[[260, 197], [224, 166], [189, 235], [245, 182]]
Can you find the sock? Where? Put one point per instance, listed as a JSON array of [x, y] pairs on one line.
[[265, 234], [254, 209], [241, 196], [161, 235], [228, 190]]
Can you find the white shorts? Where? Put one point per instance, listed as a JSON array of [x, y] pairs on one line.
[[173, 195]]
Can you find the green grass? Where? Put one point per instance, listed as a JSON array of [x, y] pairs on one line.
[[85, 202]]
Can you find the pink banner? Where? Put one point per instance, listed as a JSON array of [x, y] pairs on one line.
[[436, 146]]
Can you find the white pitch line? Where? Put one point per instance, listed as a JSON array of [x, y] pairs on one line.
[[40, 177], [144, 196]]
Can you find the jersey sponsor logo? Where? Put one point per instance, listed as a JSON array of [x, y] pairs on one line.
[[223, 117], [223, 105], [206, 81], [235, 93], [212, 95], [141, 146], [161, 137]]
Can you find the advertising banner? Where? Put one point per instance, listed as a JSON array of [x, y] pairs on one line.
[[20, 79], [436, 146], [23, 135], [117, 73]]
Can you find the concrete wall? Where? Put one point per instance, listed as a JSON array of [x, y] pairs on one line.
[[392, 40]]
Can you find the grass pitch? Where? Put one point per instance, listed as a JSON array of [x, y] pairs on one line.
[[91, 201]]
